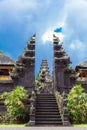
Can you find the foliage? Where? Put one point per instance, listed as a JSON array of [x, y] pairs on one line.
[[80, 125], [1, 53], [39, 84], [3, 96], [60, 101], [11, 125], [38, 76], [77, 105], [16, 104]]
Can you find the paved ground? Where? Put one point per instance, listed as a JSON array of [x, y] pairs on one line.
[[46, 128]]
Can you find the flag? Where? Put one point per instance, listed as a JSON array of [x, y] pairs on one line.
[[58, 30]]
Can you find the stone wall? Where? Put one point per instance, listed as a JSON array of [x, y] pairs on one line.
[[6, 86], [27, 79], [85, 87]]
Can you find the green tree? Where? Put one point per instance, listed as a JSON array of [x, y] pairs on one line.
[[16, 104], [77, 105]]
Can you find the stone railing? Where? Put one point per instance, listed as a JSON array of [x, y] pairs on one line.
[[32, 108], [62, 106]]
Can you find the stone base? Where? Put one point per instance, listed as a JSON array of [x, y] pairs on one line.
[[31, 123]]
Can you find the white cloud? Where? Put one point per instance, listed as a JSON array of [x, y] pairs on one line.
[[48, 36], [79, 48], [43, 17], [14, 11], [75, 29], [35, 14], [72, 46]]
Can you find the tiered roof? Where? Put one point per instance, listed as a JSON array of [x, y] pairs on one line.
[[44, 70], [5, 60], [26, 59], [44, 66], [82, 66], [59, 53]]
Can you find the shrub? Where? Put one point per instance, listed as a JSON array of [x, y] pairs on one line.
[[3, 96], [77, 105], [16, 104]]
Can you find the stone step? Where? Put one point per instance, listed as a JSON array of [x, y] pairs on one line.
[[2, 108], [43, 104], [1, 103], [47, 96], [46, 100], [47, 116], [47, 113], [66, 123], [48, 122], [47, 105], [48, 119], [41, 97]]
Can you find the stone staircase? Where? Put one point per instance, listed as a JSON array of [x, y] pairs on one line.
[[47, 112]]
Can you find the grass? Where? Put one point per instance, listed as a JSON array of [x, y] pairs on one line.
[[11, 125], [80, 125], [23, 125]]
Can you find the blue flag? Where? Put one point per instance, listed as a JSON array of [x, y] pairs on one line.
[[58, 30]]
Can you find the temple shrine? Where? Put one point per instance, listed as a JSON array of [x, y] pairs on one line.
[[6, 66], [44, 78], [44, 69], [44, 110], [81, 70]]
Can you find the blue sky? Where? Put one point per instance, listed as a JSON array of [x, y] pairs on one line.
[[19, 19]]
